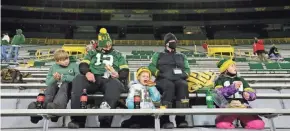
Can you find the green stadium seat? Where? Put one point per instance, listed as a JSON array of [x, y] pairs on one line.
[[72, 59], [256, 66], [240, 59], [134, 52], [284, 65], [129, 57], [136, 57], [144, 57], [192, 62], [273, 66], [38, 63], [287, 59]]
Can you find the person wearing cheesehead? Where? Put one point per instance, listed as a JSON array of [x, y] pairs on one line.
[[171, 70], [238, 92], [101, 70], [145, 87]]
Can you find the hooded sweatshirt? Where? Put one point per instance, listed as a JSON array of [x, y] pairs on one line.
[[19, 38]]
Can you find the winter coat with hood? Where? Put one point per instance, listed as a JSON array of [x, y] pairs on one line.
[[19, 38]]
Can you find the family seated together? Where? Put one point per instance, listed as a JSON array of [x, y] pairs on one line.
[[105, 70]]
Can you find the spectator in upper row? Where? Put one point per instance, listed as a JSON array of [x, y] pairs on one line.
[[259, 49], [58, 80], [17, 40], [4, 45], [274, 53]]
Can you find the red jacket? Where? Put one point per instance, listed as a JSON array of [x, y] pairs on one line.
[[204, 45], [258, 46]]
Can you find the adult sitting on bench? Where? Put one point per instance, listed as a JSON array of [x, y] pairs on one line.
[[101, 71], [171, 70]]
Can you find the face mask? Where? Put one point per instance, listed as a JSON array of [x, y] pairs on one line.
[[172, 45]]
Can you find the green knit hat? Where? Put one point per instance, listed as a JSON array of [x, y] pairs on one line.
[[224, 64], [104, 38]]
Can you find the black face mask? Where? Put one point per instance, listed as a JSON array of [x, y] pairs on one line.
[[230, 74], [172, 45]]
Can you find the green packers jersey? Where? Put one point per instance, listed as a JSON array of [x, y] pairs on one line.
[[97, 61]]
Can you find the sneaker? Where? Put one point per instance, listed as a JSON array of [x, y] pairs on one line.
[[53, 106]]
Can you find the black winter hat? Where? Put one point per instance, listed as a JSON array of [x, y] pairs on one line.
[[168, 37]]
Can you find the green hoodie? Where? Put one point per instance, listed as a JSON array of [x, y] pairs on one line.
[[19, 38], [68, 73]]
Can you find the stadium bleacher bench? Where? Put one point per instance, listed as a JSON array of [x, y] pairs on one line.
[[124, 95], [270, 67], [42, 85], [247, 79], [268, 113]]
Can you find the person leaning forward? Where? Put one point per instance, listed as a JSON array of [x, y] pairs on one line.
[[171, 70], [101, 71]]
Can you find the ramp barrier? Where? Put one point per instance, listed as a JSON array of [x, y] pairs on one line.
[[220, 50], [43, 54], [245, 53], [77, 50]]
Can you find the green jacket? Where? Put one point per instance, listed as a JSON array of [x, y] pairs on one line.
[[68, 73], [19, 38]]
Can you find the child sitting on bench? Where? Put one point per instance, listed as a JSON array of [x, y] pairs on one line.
[[238, 92], [145, 89], [58, 80]]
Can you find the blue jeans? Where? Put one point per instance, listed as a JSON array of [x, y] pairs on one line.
[[14, 50], [3, 52]]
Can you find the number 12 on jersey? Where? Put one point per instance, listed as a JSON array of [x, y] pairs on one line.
[[107, 59]]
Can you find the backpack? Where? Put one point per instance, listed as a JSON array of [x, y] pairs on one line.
[[13, 76], [198, 80]]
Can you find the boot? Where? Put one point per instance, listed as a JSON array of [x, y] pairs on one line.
[[75, 125], [180, 120], [105, 121], [34, 119], [53, 106]]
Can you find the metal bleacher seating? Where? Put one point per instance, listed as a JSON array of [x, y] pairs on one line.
[[17, 96]]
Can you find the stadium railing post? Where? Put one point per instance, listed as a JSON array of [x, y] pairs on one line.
[[157, 122], [45, 123], [270, 118]]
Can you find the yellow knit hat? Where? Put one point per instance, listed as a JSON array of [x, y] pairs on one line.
[[143, 69], [224, 64], [103, 30]]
